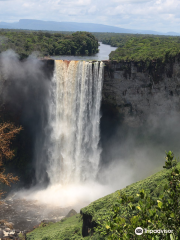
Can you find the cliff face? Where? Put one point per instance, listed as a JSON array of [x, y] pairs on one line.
[[138, 92]]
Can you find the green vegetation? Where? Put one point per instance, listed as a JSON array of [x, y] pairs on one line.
[[152, 185], [131, 47], [67, 228], [115, 39], [147, 48], [48, 44], [144, 210], [152, 203], [140, 47]]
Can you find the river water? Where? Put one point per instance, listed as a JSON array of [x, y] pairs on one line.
[[103, 54], [25, 214]]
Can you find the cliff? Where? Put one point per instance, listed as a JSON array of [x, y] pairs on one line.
[[138, 92]]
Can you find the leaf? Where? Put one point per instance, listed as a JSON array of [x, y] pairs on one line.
[[142, 194], [172, 237], [108, 227], [138, 207], [161, 196], [159, 204]]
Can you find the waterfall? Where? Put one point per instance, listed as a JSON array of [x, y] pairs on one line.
[[74, 117]]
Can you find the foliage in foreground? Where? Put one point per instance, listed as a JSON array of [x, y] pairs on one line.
[[67, 228], [147, 48], [48, 44], [146, 212], [109, 218], [7, 133]]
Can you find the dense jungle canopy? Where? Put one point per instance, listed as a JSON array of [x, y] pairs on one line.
[[48, 43], [140, 47], [131, 47], [146, 48]]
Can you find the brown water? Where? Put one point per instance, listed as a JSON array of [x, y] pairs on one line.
[[26, 214]]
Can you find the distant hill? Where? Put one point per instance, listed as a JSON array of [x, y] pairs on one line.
[[32, 24]]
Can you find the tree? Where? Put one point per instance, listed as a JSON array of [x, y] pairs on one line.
[[8, 132]]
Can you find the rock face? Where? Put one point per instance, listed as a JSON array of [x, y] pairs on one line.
[[88, 225], [138, 92]]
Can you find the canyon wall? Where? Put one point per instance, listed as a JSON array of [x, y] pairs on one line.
[[138, 92]]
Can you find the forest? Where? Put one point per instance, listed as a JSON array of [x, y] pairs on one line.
[[140, 47], [115, 39], [48, 43], [147, 48], [131, 47]]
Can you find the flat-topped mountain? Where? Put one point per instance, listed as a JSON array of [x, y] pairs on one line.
[[33, 24]]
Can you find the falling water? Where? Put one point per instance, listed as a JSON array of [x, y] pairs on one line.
[[74, 116]]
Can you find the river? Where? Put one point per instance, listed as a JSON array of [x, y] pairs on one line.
[[103, 54]]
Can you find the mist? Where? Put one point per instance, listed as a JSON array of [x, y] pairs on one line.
[[130, 154], [24, 96]]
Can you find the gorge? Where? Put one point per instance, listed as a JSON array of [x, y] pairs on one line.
[[133, 98]]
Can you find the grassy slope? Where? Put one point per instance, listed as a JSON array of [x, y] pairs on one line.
[[70, 228], [153, 185], [67, 228]]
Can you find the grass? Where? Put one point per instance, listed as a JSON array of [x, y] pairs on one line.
[[66, 229], [71, 228]]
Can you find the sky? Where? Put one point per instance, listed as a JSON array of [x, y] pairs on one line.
[[157, 15]]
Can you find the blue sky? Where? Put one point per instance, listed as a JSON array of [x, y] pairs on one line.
[[158, 15]]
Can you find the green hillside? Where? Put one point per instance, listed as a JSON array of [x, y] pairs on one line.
[[102, 210], [67, 228], [152, 185]]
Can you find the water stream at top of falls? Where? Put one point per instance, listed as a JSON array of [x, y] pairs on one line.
[[103, 54], [74, 117]]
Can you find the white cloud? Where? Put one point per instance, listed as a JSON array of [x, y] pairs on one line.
[[158, 15], [132, 1], [93, 9]]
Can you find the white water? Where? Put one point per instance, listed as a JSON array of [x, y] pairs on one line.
[[73, 140], [74, 116]]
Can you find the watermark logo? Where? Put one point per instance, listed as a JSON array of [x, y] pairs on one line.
[[158, 231], [138, 231]]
